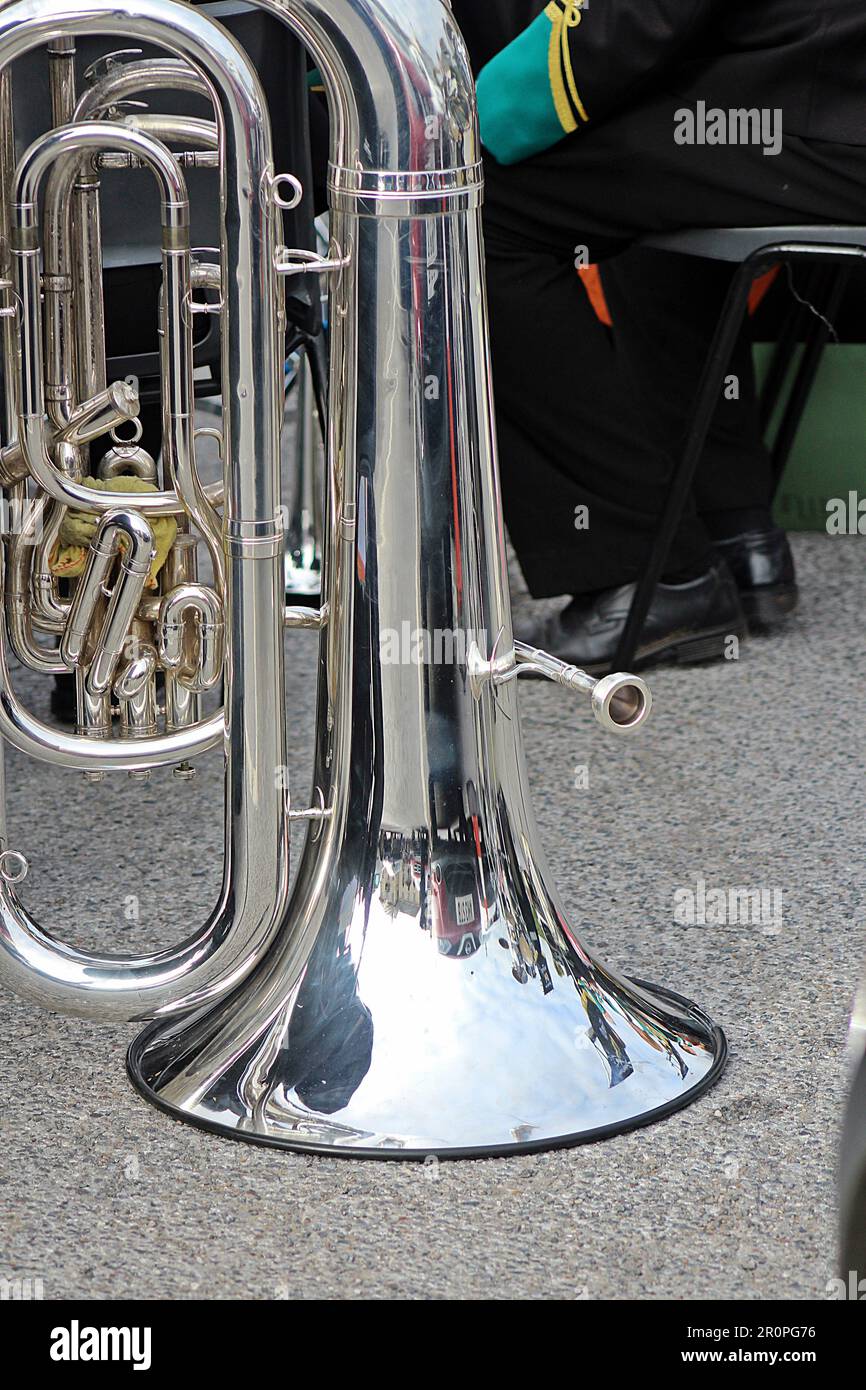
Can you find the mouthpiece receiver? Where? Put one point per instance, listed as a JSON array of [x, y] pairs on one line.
[[620, 702]]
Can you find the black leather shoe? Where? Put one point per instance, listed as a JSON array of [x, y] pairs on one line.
[[686, 622], [763, 569]]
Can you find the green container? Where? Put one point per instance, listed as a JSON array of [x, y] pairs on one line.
[[828, 459]]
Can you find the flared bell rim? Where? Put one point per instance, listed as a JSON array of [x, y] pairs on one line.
[[714, 1037]]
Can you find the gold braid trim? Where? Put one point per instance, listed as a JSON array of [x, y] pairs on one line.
[[564, 15]]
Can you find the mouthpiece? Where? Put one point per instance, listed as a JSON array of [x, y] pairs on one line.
[[621, 702]]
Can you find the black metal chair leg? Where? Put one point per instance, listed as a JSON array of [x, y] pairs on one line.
[[317, 352], [706, 401], [780, 362], [806, 373]]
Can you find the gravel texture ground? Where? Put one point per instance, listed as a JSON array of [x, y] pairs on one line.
[[750, 773]]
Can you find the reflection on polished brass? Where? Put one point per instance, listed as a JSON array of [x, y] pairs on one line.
[[423, 990], [852, 1170]]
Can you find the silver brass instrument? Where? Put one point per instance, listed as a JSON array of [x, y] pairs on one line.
[[422, 990], [303, 563], [852, 1166]]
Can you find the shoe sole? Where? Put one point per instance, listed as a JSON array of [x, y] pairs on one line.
[[685, 650], [767, 606]]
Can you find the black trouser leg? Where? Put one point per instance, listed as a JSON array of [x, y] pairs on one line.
[[582, 470], [591, 420], [665, 308]]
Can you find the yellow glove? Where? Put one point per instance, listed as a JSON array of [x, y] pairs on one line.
[[77, 529]]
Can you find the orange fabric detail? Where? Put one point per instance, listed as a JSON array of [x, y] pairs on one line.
[[591, 277]]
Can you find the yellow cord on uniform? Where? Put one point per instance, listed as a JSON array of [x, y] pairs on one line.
[[564, 15]]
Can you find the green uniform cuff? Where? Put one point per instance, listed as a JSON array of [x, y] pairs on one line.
[[527, 99]]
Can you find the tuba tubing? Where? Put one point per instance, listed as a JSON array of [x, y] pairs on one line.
[[427, 993], [423, 991], [416, 161], [255, 881]]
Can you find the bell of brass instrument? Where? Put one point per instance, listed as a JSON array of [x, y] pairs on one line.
[[422, 991], [852, 1166]]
